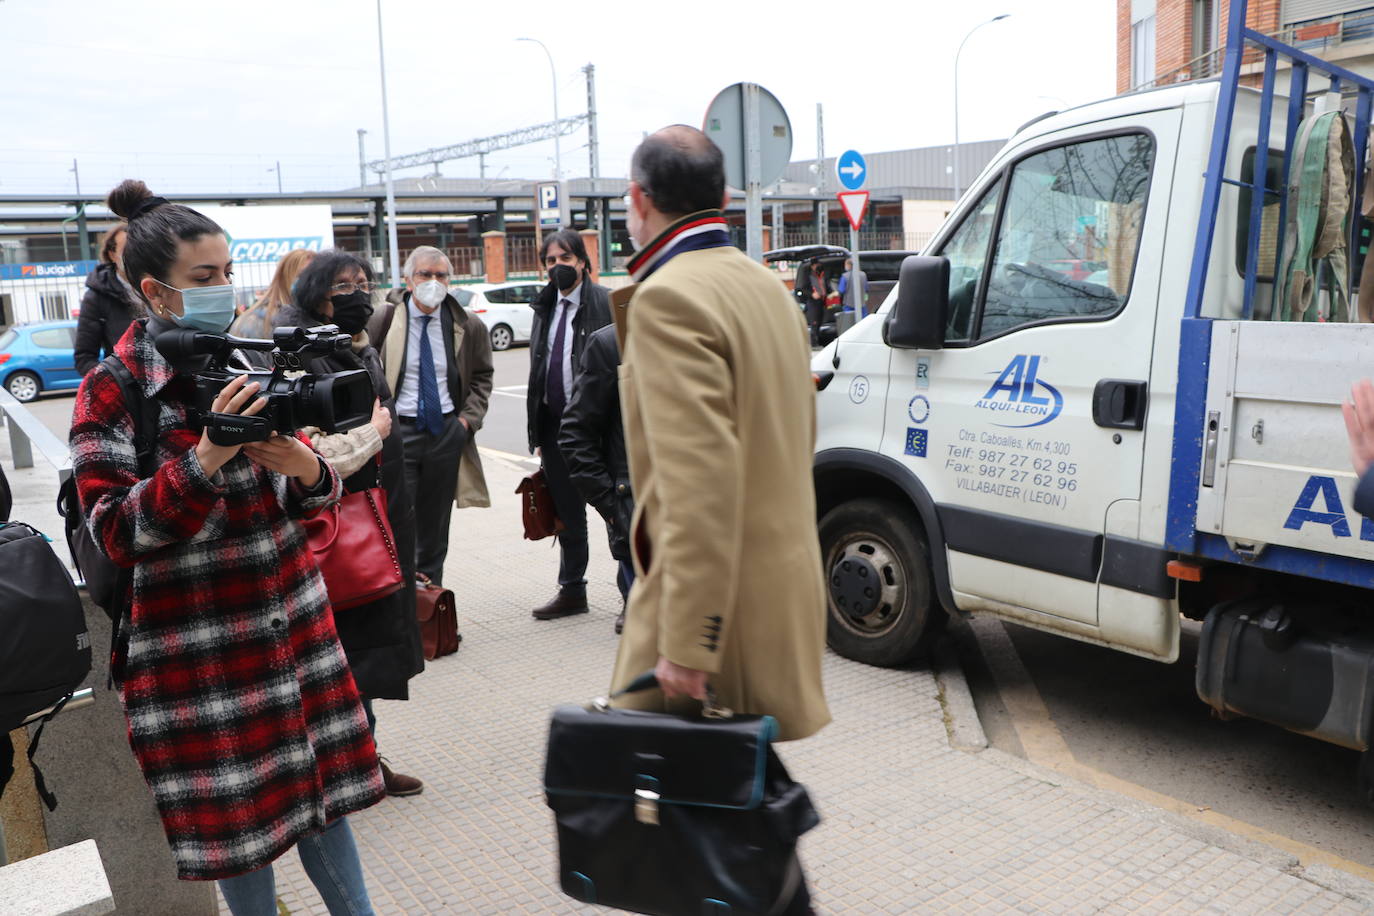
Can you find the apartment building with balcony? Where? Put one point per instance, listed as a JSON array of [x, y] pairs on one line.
[[1160, 42]]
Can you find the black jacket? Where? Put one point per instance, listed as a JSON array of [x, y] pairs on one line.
[[592, 438], [594, 312], [381, 639], [106, 314]]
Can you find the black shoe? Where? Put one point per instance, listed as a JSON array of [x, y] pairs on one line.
[[564, 604]]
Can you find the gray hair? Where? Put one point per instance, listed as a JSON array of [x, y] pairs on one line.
[[425, 253]]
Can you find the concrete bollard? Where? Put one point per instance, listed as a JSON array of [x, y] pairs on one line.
[[65, 882], [101, 796]]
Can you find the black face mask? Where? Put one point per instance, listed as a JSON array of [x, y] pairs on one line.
[[564, 276], [352, 311]]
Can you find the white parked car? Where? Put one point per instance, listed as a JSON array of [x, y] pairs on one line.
[[503, 307]]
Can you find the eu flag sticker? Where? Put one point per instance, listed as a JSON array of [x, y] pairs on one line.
[[916, 442]]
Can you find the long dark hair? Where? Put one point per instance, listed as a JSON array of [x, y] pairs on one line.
[[155, 226]]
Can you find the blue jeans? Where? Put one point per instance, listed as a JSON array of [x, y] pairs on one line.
[[330, 859]]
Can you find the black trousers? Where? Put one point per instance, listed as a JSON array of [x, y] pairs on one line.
[[572, 543], [815, 317], [431, 464]]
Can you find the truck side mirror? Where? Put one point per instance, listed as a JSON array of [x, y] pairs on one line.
[[918, 317]]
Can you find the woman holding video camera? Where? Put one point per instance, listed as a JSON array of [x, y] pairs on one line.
[[381, 639], [242, 713]]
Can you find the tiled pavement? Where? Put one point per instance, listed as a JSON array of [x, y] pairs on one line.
[[910, 825]]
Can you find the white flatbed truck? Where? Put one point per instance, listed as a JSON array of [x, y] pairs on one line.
[[1076, 412]]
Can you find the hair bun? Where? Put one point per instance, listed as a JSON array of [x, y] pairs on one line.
[[125, 198]]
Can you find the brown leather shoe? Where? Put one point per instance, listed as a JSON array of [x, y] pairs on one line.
[[399, 784], [562, 605]]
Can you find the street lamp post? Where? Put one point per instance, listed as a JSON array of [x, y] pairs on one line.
[[957, 188], [362, 189], [557, 144], [386, 163]]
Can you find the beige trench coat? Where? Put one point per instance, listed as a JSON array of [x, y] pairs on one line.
[[720, 424], [472, 344]]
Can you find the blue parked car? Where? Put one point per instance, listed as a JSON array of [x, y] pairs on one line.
[[38, 357]]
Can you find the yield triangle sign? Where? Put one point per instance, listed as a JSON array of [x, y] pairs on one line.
[[855, 205]]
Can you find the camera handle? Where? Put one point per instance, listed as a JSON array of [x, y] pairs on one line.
[[232, 429]]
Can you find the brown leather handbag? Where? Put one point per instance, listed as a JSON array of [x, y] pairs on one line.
[[537, 509], [355, 549], [437, 612]]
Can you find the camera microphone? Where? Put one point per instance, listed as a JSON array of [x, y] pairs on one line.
[[179, 345]]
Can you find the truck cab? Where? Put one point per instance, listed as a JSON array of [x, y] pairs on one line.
[[1103, 449]]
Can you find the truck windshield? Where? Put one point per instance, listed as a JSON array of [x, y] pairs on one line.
[[1066, 245]]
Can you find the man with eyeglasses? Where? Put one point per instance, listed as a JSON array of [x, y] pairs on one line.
[[438, 363]]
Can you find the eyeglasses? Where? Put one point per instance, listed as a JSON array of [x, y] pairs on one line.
[[431, 275], [343, 289], [643, 190]]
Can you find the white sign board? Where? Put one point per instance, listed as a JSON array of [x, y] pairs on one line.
[[259, 237], [549, 202]]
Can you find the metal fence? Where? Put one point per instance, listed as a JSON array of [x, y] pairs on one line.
[[869, 239], [522, 256], [468, 262]]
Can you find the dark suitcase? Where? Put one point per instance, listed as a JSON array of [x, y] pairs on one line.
[[671, 815]]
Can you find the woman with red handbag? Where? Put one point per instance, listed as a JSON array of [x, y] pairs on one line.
[[380, 637]]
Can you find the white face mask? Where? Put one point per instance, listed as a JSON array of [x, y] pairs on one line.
[[430, 293]]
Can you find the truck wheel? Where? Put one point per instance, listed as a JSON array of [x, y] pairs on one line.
[[877, 566]]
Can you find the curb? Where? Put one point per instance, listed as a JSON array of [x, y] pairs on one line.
[[962, 724]]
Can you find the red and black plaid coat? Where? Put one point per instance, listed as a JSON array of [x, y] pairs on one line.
[[241, 709]]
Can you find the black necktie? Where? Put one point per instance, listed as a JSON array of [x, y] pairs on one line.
[[557, 396]]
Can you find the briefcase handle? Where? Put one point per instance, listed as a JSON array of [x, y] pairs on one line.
[[710, 709]]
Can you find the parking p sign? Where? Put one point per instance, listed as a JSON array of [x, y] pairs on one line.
[[549, 198]]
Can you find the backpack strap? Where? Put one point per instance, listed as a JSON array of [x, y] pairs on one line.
[[38, 782], [145, 419]]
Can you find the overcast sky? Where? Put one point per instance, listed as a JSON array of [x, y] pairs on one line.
[[197, 96]]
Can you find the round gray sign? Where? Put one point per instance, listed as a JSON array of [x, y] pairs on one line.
[[725, 125]]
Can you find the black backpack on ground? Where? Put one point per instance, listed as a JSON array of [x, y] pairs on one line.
[[109, 585], [46, 650]]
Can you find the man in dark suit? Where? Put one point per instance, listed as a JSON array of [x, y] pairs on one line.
[[441, 373], [593, 445], [569, 309]]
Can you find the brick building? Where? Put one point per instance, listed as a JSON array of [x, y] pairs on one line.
[[1159, 42]]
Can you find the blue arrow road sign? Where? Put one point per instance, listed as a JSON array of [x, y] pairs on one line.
[[851, 169]]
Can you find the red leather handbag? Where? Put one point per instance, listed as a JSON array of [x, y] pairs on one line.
[[355, 549]]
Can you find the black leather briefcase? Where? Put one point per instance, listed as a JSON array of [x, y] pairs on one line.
[[673, 815]]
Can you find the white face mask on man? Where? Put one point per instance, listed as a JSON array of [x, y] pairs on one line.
[[430, 293]]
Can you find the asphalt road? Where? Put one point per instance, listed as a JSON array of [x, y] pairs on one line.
[[1141, 725], [503, 430], [1136, 724]]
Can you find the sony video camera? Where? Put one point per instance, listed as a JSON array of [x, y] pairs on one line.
[[335, 402]]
